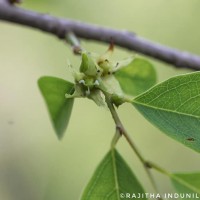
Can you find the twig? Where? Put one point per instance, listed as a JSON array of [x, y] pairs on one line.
[[59, 27], [123, 132], [74, 42], [115, 138]]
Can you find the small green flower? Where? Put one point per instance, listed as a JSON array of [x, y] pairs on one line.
[[99, 79], [96, 78]]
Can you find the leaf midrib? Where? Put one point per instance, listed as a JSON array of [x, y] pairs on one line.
[[96, 180], [113, 157], [165, 110], [184, 183], [115, 172]]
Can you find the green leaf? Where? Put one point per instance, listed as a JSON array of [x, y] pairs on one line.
[[138, 76], [174, 107], [53, 90], [187, 183], [112, 178]]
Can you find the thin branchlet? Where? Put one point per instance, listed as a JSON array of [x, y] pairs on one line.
[[60, 27]]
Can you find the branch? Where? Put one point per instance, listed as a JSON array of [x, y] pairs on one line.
[[60, 27], [4, 2]]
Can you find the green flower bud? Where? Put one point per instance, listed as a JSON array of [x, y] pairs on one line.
[[88, 65]]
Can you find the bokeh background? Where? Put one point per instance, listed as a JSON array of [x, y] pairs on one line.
[[34, 165]]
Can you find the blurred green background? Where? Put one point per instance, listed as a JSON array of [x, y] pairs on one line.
[[34, 165]]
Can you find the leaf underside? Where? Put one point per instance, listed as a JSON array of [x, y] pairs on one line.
[[53, 90], [111, 178], [174, 107], [138, 76], [187, 183]]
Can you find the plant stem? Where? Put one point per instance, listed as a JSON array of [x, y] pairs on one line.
[[74, 42], [122, 131], [59, 27], [115, 138], [159, 169]]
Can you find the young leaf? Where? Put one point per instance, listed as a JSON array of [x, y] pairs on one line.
[[53, 90], [112, 179], [138, 76], [174, 107], [187, 183]]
